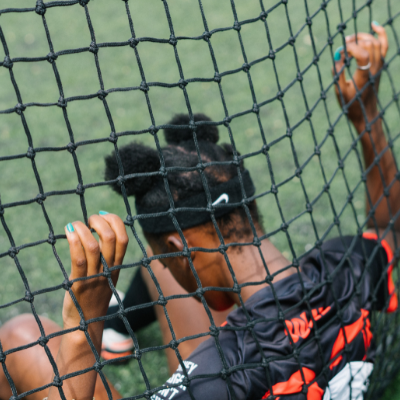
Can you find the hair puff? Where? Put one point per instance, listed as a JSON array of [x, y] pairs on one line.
[[207, 133], [136, 158]]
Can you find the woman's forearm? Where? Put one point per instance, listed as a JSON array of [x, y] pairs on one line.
[[74, 355], [383, 184]]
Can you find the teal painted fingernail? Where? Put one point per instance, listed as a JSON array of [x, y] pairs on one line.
[[70, 228], [337, 55], [103, 212], [376, 23]]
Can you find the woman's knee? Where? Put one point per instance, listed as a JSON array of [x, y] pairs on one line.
[[24, 329]]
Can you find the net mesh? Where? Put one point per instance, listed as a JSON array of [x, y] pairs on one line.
[[318, 112]]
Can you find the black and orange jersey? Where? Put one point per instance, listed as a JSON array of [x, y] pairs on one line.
[[314, 343]]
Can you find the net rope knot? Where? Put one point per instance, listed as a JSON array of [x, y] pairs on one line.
[[13, 251], [214, 331], [280, 95], [237, 26], [62, 102], [29, 297], [182, 83], [67, 284], [269, 279], [51, 239], [162, 301], [206, 36], [271, 54], [341, 27], [129, 220], [51, 57], [225, 373], [98, 366], [222, 248], [7, 63], [2, 357], [144, 87], [83, 3], [173, 41], [57, 381], [93, 48], [263, 15], [217, 77], [83, 326], [71, 147], [173, 344], [40, 198], [256, 241], [40, 7], [246, 67], [43, 341], [133, 42], [227, 120], [153, 130], [30, 153], [80, 190], [163, 172], [19, 108], [102, 94], [113, 138]]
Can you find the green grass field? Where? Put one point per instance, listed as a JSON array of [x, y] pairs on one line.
[[25, 37]]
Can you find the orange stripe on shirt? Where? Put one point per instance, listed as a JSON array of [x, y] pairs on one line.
[[295, 385], [351, 331], [393, 302]]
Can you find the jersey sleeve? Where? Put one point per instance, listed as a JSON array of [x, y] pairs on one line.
[[202, 377], [365, 263], [381, 270]]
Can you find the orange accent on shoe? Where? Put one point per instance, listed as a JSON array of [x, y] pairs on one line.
[[107, 355]]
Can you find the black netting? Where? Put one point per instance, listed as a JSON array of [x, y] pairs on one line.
[[305, 152]]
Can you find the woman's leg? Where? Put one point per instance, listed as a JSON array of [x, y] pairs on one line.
[[31, 368], [188, 316]]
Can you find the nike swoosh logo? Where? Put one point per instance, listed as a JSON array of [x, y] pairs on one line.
[[224, 197]]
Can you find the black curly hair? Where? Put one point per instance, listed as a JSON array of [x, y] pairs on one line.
[[181, 151]]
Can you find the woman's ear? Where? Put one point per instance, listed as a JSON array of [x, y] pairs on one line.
[[175, 245]]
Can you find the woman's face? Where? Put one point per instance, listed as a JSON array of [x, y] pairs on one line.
[[207, 266]]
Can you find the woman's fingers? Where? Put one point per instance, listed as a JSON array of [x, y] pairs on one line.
[[362, 56], [107, 238], [121, 236], [342, 83], [382, 36], [90, 246], [85, 250], [78, 257]]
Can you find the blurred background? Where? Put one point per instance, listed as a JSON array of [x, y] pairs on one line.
[[310, 52]]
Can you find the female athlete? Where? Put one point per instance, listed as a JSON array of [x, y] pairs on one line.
[[314, 343]]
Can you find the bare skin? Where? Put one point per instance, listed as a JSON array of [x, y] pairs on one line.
[[72, 351], [383, 175]]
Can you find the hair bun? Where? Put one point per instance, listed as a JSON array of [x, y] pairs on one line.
[[135, 158], [207, 133]]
